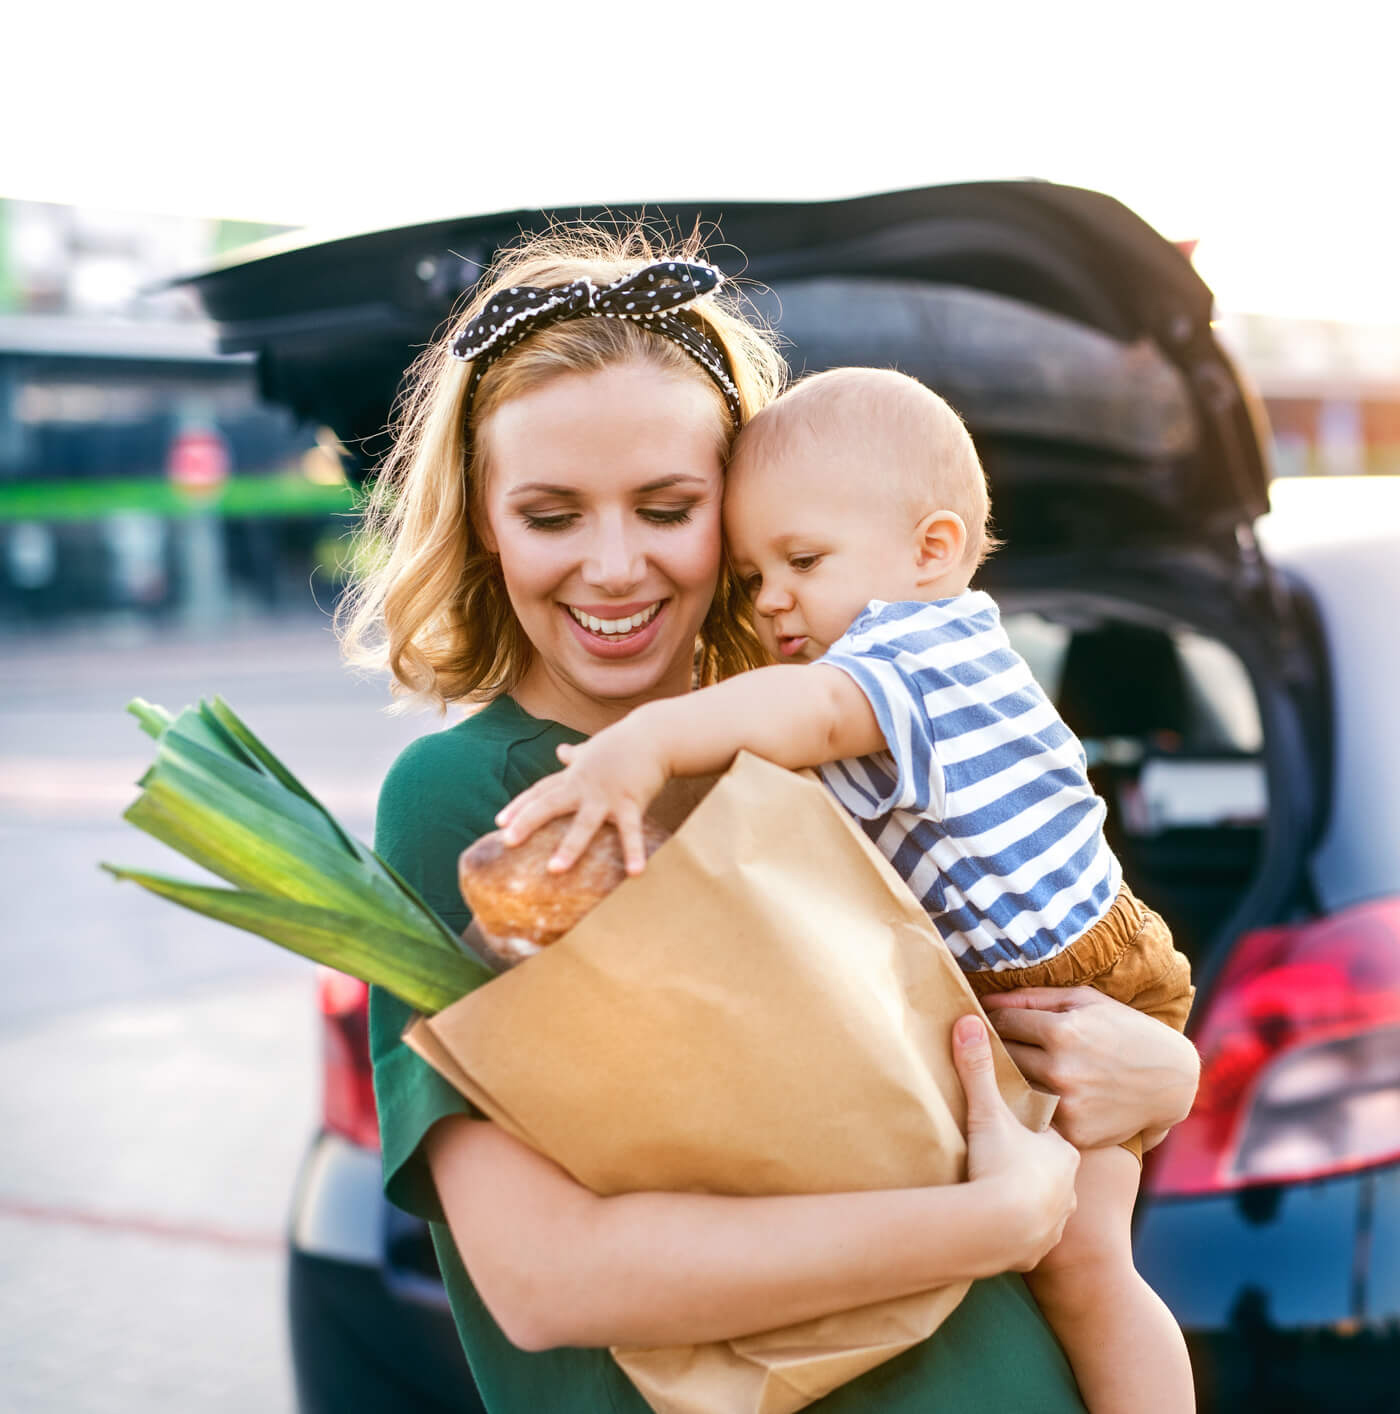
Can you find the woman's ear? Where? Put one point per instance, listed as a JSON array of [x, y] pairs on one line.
[[940, 540]]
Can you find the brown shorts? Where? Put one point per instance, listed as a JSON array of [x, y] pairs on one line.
[[1127, 955]]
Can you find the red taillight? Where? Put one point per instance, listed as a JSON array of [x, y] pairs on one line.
[[1300, 1058], [348, 1079]]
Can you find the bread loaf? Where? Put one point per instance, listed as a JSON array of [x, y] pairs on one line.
[[518, 905]]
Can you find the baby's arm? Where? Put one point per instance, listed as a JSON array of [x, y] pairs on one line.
[[793, 716]]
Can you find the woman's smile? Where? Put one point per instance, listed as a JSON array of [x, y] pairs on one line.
[[618, 631], [614, 618]]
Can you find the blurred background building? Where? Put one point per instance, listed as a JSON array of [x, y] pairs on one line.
[[1332, 391], [141, 477]]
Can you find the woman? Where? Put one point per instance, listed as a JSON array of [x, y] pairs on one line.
[[552, 518]]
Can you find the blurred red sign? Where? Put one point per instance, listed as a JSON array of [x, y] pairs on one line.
[[198, 460]]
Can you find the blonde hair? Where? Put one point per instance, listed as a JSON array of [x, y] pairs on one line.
[[429, 603], [929, 460]]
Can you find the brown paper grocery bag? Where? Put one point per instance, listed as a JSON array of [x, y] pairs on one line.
[[765, 1010]]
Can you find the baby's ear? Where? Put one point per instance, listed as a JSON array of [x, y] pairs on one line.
[[941, 538]]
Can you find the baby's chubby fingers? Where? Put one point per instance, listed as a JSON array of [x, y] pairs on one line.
[[523, 801], [585, 825], [528, 811], [629, 827]]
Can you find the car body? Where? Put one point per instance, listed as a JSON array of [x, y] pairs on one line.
[[1223, 660]]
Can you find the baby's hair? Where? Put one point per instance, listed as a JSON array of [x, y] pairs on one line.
[[428, 601], [898, 429]]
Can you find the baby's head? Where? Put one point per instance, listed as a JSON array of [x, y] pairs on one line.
[[857, 484]]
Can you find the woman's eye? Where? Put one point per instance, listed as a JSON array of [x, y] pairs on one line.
[[561, 521], [669, 515]]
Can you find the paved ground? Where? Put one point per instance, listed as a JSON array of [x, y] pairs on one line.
[[158, 1073]]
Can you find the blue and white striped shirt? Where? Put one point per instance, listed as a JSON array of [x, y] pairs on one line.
[[981, 802]]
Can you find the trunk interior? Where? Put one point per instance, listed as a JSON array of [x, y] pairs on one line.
[[1191, 739]]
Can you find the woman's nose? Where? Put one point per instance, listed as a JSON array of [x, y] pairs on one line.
[[616, 561]]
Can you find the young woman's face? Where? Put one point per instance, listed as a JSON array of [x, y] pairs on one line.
[[602, 500]]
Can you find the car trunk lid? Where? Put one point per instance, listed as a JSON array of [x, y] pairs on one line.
[[1076, 339]]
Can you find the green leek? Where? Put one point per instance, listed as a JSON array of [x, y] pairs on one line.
[[217, 795]]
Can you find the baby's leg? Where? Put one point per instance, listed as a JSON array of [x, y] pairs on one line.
[[1126, 1350]]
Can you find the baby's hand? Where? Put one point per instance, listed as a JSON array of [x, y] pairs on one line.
[[612, 776]]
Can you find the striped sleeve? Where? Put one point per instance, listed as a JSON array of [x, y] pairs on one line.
[[874, 654]]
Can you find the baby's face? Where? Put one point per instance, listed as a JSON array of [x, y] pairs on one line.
[[813, 539]]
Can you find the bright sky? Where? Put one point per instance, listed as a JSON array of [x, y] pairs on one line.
[[1267, 131]]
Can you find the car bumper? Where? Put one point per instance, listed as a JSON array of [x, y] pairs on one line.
[[1289, 1297], [370, 1327]]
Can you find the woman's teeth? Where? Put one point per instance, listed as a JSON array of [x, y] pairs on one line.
[[627, 625]]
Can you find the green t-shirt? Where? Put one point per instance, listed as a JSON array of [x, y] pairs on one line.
[[994, 1353]]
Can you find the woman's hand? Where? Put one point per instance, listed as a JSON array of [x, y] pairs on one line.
[[1035, 1172], [613, 776], [1118, 1072]]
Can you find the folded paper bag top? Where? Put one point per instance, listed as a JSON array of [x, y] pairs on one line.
[[765, 1009]]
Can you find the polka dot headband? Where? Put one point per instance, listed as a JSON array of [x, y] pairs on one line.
[[654, 296]]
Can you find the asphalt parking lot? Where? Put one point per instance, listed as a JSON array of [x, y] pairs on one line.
[[158, 1073]]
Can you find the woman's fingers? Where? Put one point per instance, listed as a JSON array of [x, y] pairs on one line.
[[1039, 1166], [1040, 999], [972, 1056], [1033, 1027], [1030, 1061]]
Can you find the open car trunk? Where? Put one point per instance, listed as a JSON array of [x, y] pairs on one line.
[[1057, 313], [1193, 728], [1123, 450]]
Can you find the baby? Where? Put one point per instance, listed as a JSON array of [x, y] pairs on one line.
[[856, 513]]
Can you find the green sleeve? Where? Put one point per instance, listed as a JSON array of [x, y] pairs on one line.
[[438, 797]]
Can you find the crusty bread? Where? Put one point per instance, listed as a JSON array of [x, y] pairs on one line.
[[515, 900]]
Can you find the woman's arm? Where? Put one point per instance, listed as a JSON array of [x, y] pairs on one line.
[[1117, 1071], [557, 1265], [793, 716]]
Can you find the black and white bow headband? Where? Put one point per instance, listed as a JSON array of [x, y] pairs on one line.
[[653, 296]]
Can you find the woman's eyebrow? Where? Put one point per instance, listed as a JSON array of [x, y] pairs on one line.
[[663, 483], [678, 479], [533, 488]]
